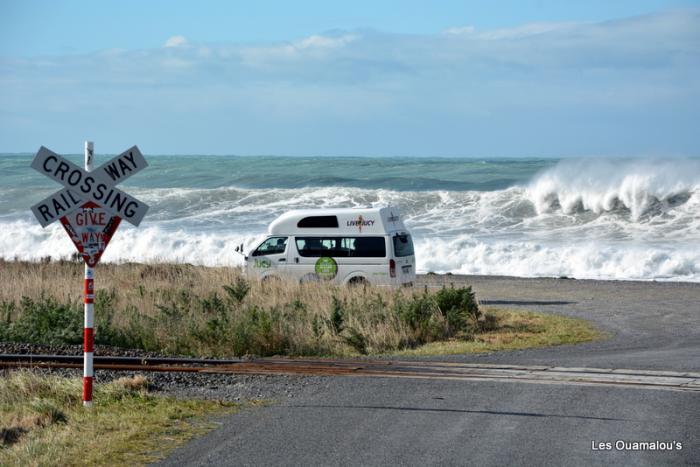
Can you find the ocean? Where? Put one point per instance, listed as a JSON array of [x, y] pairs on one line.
[[580, 218]]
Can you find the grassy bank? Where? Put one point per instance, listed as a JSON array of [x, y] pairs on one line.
[[183, 309], [515, 330], [42, 422]]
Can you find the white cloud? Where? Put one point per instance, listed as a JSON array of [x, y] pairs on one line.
[[625, 70], [315, 47], [175, 41], [654, 46], [325, 42], [531, 29], [461, 30]]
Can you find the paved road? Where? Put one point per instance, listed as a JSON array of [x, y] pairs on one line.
[[381, 421], [652, 325]]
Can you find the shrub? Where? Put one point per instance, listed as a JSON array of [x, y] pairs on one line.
[[105, 309], [356, 340], [259, 332], [237, 290], [459, 308], [45, 321], [335, 323], [421, 314]]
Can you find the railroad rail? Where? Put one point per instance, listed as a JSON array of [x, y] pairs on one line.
[[540, 374]]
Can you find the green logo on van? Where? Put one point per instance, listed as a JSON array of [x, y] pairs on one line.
[[326, 268], [263, 263]]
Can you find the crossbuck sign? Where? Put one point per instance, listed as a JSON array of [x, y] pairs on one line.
[[90, 207], [96, 186]]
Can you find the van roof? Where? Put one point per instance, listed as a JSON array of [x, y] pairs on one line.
[[349, 220]]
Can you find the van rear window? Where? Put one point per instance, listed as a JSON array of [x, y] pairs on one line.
[[403, 245], [318, 222], [342, 247]]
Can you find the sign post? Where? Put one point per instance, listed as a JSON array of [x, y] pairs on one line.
[[90, 208], [89, 312]]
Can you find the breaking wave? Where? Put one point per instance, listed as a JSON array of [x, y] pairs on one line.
[[642, 187], [603, 219]]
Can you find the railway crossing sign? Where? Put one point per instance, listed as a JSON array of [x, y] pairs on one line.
[[97, 186], [90, 208]]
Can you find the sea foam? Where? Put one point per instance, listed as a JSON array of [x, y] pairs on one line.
[[592, 218], [604, 185]]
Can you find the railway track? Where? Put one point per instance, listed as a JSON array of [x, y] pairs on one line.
[[648, 379]]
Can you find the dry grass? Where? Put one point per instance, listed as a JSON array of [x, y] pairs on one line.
[[145, 286], [132, 383], [184, 309], [140, 291], [42, 422], [136, 283]]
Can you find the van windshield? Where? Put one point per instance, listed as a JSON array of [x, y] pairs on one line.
[[271, 246], [403, 245]]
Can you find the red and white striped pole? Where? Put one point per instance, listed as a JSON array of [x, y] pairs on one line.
[[89, 297]]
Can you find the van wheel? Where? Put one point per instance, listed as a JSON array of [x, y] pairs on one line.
[[311, 277], [358, 281]]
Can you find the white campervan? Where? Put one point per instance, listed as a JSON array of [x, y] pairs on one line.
[[346, 246]]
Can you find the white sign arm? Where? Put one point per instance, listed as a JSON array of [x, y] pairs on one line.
[[123, 166], [97, 186]]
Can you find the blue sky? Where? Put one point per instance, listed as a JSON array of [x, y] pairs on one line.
[[517, 78]]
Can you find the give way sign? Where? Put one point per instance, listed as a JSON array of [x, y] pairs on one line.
[[90, 229]]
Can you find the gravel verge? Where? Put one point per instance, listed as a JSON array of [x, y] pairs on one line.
[[225, 387]]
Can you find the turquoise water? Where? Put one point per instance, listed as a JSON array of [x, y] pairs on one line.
[[392, 173], [586, 218]]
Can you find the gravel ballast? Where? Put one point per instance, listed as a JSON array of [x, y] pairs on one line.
[[226, 387]]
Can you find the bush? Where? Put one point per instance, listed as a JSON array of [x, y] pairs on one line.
[[237, 290], [421, 315], [44, 321], [105, 311], [356, 340], [259, 332], [335, 323], [459, 308]]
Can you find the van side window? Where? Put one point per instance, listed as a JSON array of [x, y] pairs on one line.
[[403, 245], [271, 246], [342, 247], [318, 222]]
